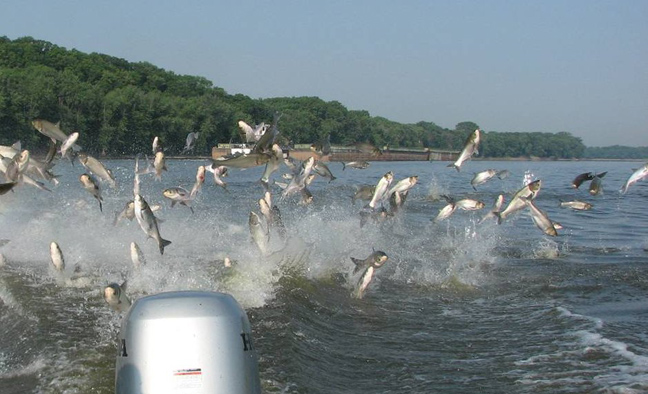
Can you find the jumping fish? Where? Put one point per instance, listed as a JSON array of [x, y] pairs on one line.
[[470, 148], [58, 262], [482, 177], [576, 205], [596, 186], [137, 257], [190, 142], [49, 129], [586, 176], [497, 206], [148, 222], [97, 168], [200, 179], [530, 191], [368, 267], [218, 171], [540, 218], [259, 232], [360, 165], [178, 195], [636, 176], [115, 297], [159, 163], [92, 187], [381, 189]]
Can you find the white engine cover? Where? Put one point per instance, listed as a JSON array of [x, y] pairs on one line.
[[189, 342]]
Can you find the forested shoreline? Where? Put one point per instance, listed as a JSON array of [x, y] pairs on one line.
[[118, 107]]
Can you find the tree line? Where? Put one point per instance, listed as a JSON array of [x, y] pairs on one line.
[[119, 107]]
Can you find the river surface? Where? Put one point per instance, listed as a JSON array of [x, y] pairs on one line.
[[459, 307]]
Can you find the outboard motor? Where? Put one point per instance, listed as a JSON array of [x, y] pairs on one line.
[[189, 342]]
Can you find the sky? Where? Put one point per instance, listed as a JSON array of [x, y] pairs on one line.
[[579, 66]]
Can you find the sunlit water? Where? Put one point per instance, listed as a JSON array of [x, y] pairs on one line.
[[459, 307]]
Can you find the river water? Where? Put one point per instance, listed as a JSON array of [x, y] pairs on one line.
[[459, 307]]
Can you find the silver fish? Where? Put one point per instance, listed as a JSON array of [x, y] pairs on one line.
[[178, 195], [360, 165], [49, 129], [148, 222], [92, 187], [482, 177], [636, 176], [200, 179], [67, 144], [497, 207], [276, 157], [156, 144], [403, 185], [58, 262], [576, 205], [381, 189], [470, 148], [264, 144], [367, 266], [364, 192], [469, 204], [97, 168], [300, 179], [259, 232], [190, 142], [127, 213], [251, 134], [277, 222], [137, 257], [218, 171], [367, 147], [529, 191], [159, 163], [540, 218], [445, 212], [322, 170], [115, 297]]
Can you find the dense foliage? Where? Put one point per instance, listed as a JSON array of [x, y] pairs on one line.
[[118, 107], [616, 152]]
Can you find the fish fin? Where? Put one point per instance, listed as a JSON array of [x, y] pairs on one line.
[[358, 264], [343, 166]]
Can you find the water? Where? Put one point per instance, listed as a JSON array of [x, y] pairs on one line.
[[459, 307]]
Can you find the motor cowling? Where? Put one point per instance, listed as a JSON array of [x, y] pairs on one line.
[[189, 342]]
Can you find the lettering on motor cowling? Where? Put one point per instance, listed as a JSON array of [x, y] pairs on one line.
[[122, 348], [247, 341]]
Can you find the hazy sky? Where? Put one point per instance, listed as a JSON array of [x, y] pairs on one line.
[[576, 66]]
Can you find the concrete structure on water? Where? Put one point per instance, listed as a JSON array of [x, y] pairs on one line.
[[344, 153]]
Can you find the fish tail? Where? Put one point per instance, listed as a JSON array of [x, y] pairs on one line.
[[163, 243], [343, 166], [498, 216], [455, 166]]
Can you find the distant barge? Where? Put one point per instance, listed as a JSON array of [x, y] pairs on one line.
[[338, 153]]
